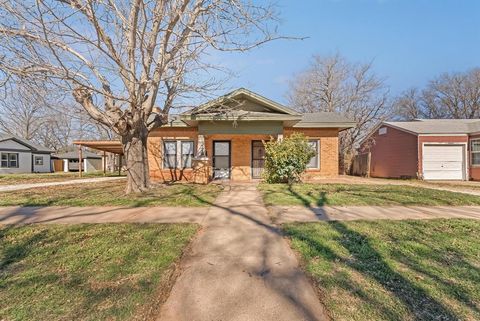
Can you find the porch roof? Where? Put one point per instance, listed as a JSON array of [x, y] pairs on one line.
[[110, 146]]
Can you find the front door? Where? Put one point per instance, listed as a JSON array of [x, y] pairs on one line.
[[258, 158], [221, 159]]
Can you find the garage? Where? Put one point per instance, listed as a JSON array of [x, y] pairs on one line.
[[443, 162]]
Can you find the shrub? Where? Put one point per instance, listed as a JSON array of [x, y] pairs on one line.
[[287, 159]]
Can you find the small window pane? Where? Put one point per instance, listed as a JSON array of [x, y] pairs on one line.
[[170, 155], [4, 162], [38, 160], [187, 154], [476, 145], [475, 158], [221, 149], [314, 160]]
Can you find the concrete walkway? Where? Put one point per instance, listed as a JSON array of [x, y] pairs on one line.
[[241, 268], [285, 214], [17, 187]]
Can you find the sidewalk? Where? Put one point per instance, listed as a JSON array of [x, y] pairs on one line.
[[286, 214], [241, 268], [17, 187]]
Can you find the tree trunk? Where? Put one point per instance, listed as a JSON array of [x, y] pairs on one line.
[[136, 159]]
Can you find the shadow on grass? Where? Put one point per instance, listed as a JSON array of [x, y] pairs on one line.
[[365, 260]]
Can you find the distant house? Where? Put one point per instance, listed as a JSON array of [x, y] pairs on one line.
[[91, 161], [18, 155], [435, 149]]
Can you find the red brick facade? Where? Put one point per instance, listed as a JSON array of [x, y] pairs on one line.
[[393, 154], [398, 153]]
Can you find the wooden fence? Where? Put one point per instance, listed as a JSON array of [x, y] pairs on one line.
[[361, 165]]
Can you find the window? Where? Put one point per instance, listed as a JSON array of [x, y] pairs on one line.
[[9, 160], [475, 151], [187, 154], [170, 154], [178, 153], [382, 131], [314, 161], [38, 160]]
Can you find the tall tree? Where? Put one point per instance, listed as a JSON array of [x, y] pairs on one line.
[[451, 95], [121, 58], [333, 84], [34, 111]]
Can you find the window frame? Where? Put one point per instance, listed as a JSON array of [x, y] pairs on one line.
[[317, 144], [181, 142], [476, 140], [164, 154], [178, 153], [9, 160], [38, 157]]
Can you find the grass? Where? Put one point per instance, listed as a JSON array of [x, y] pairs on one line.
[[8, 179], [112, 194], [87, 272], [393, 270], [361, 194]]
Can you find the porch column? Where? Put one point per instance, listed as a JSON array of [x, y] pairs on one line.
[[200, 163], [80, 160]]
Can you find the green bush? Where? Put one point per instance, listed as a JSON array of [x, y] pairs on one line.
[[287, 159]]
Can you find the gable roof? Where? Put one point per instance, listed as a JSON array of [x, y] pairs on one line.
[[325, 120], [240, 94], [438, 126], [32, 146]]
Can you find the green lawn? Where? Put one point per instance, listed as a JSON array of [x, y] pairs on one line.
[[361, 194], [393, 270], [88, 272], [8, 179], [112, 194]]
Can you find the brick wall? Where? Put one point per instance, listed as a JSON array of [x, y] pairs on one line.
[[155, 153], [328, 138], [393, 154], [241, 149]]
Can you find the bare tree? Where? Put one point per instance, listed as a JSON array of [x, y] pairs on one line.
[[121, 58], [332, 84], [34, 111], [454, 95], [22, 112]]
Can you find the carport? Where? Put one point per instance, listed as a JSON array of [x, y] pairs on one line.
[[106, 146]]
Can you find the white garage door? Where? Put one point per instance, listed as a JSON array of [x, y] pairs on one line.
[[443, 162]]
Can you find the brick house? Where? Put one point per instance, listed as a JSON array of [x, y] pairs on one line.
[[434, 149], [222, 139]]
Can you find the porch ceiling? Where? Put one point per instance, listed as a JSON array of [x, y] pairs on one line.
[[110, 146]]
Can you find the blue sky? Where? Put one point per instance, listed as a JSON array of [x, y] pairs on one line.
[[410, 41]]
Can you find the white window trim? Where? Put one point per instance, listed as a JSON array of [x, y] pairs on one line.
[[178, 151], [472, 152], [17, 161], [310, 139]]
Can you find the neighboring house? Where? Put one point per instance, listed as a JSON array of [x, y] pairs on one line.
[[434, 149], [222, 139], [91, 161], [18, 155]]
